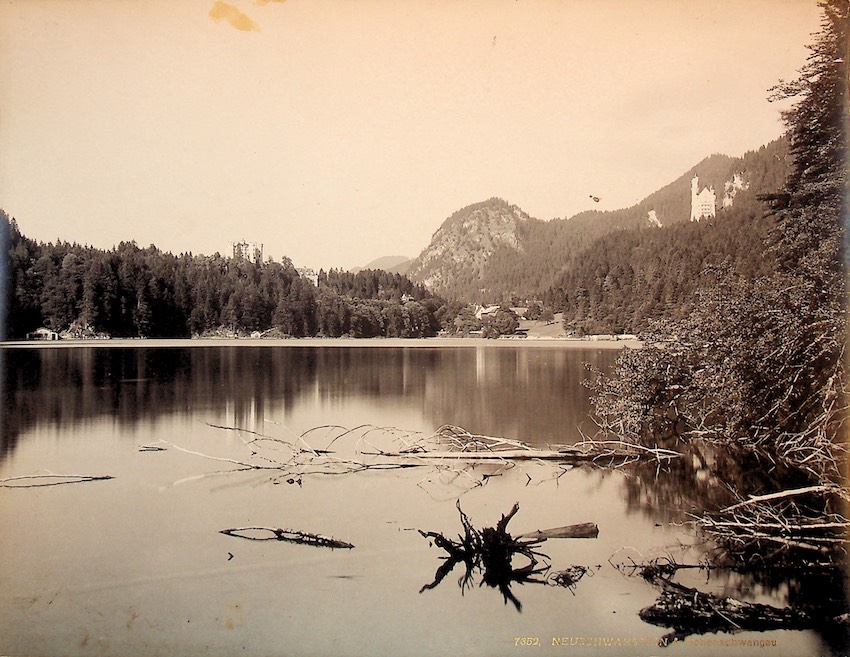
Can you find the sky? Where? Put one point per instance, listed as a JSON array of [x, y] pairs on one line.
[[339, 131]]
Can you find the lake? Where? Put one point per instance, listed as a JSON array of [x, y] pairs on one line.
[[137, 564]]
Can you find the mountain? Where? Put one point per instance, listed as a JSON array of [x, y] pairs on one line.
[[463, 246], [493, 252], [390, 264]]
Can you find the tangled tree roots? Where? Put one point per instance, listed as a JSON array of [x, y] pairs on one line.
[[490, 551], [570, 577], [689, 611]]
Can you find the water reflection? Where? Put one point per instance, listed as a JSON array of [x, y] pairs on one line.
[[534, 395], [523, 393], [688, 610], [490, 552]]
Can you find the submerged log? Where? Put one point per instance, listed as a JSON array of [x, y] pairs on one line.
[[690, 611], [504, 455], [568, 455], [289, 535]]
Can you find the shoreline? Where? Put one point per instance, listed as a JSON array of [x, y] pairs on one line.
[[417, 343]]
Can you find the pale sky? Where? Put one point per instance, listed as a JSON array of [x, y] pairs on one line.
[[336, 132]]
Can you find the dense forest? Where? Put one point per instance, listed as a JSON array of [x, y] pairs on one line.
[[133, 292], [625, 281]]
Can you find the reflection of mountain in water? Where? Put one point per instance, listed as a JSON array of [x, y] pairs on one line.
[[530, 394]]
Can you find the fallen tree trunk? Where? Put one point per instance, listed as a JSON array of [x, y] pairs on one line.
[[531, 454], [689, 611], [504, 455]]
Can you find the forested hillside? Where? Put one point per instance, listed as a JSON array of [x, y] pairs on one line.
[[132, 292], [760, 358], [625, 280], [492, 252]]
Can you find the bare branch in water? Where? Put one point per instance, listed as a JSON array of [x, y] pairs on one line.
[[779, 526], [38, 481], [458, 459], [289, 535]]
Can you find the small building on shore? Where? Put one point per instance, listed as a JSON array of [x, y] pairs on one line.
[[43, 334]]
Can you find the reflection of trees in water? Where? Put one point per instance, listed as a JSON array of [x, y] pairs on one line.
[[702, 481], [63, 386], [530, 394], [490, 387]]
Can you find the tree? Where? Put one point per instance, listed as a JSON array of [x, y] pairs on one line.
[[466, 322], [503, 322]]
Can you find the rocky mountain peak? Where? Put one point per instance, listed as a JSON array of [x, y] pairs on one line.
[[467, 239]]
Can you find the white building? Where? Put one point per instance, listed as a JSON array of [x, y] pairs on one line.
[[243, 250], [702, 203], [309, 274]]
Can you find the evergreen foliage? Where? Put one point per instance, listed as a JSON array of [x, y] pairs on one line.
[[133, 292], [759, 360]]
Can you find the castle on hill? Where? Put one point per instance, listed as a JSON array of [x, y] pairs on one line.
[[702, 203]]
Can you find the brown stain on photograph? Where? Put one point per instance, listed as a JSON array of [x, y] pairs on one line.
[[222, 11]]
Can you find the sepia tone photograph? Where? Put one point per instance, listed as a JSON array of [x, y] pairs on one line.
[[364, 328]]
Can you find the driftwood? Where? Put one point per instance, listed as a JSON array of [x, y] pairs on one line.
[[490, 551], [38, 481], [457, 460], [289, 535], [689, 611], [781, 495], [582, 530], [570, 577], [466, 446]]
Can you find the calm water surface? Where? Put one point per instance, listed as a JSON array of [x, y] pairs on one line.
[[136, 565]]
